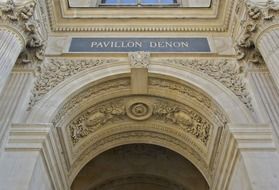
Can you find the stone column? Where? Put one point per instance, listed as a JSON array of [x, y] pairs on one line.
[[11, 44], [268, 44]]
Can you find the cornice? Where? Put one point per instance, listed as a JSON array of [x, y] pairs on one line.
[[65, 19]]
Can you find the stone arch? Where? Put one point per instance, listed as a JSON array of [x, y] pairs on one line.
[[60, 94], [127, 163], [192, 90]]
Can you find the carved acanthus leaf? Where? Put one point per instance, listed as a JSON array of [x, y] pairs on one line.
[[21, 17], [55, 71], [224, 71]]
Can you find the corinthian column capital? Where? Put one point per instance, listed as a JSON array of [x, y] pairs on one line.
[[19, 20], [255, 18]]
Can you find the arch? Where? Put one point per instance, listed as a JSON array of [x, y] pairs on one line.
[[137, 161], [202, 156], [60, 94]]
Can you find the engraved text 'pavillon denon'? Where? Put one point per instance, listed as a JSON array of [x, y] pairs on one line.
[[139, 44]]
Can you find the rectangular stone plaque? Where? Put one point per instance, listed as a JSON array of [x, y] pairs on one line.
[[139, 44]]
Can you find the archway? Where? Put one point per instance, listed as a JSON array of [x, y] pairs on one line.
[[137, 167], [187, 114]]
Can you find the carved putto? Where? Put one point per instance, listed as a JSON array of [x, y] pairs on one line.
[[139, 59]]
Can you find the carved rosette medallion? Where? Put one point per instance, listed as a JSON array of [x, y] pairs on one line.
[[139, 110]]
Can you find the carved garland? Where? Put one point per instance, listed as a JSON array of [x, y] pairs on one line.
[[55, 71], [226, 72], [256, 13], [21, 17], [122, 109]]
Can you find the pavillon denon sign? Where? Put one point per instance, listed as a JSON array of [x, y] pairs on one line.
[[139, 44]]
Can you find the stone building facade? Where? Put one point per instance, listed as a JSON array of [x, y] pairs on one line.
[[166, 95]]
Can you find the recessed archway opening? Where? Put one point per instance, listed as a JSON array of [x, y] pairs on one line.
[[138, 167]]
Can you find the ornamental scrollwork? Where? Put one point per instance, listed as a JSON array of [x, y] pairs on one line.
[[54, 71], [21, 17], [160, 110], [228, 73]]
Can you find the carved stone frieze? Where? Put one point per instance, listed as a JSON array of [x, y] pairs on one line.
[[160, 110], [54, 71], [229, 73], [21, 18], [139, 59], [257, 13]]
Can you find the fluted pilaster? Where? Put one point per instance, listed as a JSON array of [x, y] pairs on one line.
[[268, 45], [13, 99], [267, 96], [10, 48]]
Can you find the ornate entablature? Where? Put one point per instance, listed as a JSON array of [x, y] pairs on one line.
[[21, 18], [257, 16]]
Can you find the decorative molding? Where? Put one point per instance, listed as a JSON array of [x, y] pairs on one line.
[[117, 110], [88, 93], [228, 73], [193, 95], [139, 59], [56, 70], [194, 155], [58, 26], [21, 18], [256, 15]]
